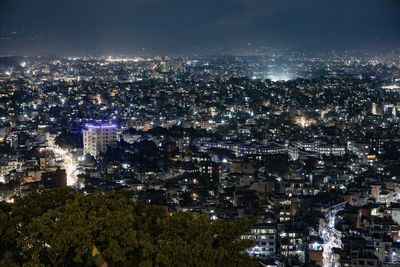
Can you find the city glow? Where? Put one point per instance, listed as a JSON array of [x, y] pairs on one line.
[[304, 121], [280, 77], [332, 239], [69, 163]]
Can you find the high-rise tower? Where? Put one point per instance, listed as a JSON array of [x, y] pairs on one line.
[[96, 138]]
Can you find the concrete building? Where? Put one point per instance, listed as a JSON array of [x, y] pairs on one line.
[[96, 138], [264, 236]]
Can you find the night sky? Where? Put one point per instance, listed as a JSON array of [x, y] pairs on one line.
[[200, 26]]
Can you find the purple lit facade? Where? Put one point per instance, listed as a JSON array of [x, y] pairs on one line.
[[99, 126]]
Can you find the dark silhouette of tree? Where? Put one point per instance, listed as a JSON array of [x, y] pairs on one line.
[[69, 140], [62, 228]]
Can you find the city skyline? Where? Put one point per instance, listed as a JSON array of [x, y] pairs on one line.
[[249, 133]]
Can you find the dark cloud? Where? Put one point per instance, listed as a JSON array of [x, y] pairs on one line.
[[183, 25]]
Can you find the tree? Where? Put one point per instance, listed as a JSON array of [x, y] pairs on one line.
[[25, 209], [279, 165], [69, 140], [188, 240], [15, 217], [7, 235], [61, 228], [89, 160], [66, 229], [7, 260]]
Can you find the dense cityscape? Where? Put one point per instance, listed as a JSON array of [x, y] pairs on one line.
[[313, 157], [182, 133]]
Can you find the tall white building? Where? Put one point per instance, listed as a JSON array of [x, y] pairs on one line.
[[96, 138]]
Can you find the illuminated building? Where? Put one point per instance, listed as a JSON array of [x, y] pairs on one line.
[[376, 109], [264, 236], [96, 138], [303, 121], [42, 163]]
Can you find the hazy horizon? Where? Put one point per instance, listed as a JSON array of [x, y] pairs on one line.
[[207, 27]]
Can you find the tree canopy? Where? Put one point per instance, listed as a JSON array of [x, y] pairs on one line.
[[69, 140], [59, 227]]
